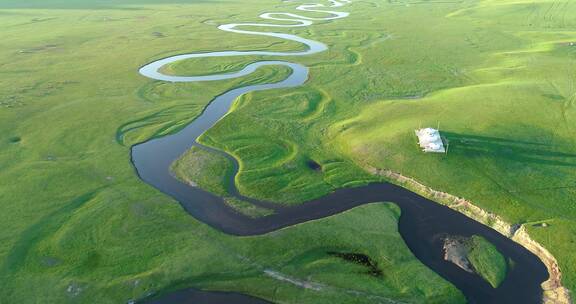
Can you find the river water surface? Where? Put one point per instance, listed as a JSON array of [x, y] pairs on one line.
[[423, 224]]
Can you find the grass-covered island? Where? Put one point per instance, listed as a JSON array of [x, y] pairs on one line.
[[477, 255], [487, 261]]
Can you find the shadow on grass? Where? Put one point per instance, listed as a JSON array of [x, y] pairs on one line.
[[35, 233], [509, 149]]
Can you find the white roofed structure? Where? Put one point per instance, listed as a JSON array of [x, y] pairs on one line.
[[430, 140]]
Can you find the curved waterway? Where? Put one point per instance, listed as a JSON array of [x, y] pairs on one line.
[[423, 224]]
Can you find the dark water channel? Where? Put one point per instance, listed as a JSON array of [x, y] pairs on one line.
[[423, 223]]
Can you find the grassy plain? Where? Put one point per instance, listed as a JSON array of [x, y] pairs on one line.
[[78, 226], [496, 76]]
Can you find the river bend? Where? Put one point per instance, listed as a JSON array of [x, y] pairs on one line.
[[423, 224]]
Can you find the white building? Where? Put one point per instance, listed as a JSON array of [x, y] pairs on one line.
[[430, 141]]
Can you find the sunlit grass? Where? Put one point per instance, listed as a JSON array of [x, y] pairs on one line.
[[496, 75]]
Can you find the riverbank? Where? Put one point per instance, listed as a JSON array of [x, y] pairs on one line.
[[530, 272], [554, 291]]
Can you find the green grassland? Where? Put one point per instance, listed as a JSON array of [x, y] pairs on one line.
[[77, 263], [510, 126], [79, 226], [497, 76], [487, 261]]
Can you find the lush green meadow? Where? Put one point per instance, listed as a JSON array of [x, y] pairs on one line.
[[497, 77], [79, 226]]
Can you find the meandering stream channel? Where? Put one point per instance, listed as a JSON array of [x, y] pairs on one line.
[[423, 223]]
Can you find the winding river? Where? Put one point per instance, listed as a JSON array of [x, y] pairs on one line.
[[423, 223]]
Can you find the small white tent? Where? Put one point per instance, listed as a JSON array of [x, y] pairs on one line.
[[430, 140]]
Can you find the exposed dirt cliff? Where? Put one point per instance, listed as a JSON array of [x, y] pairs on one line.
[[554, 292]]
